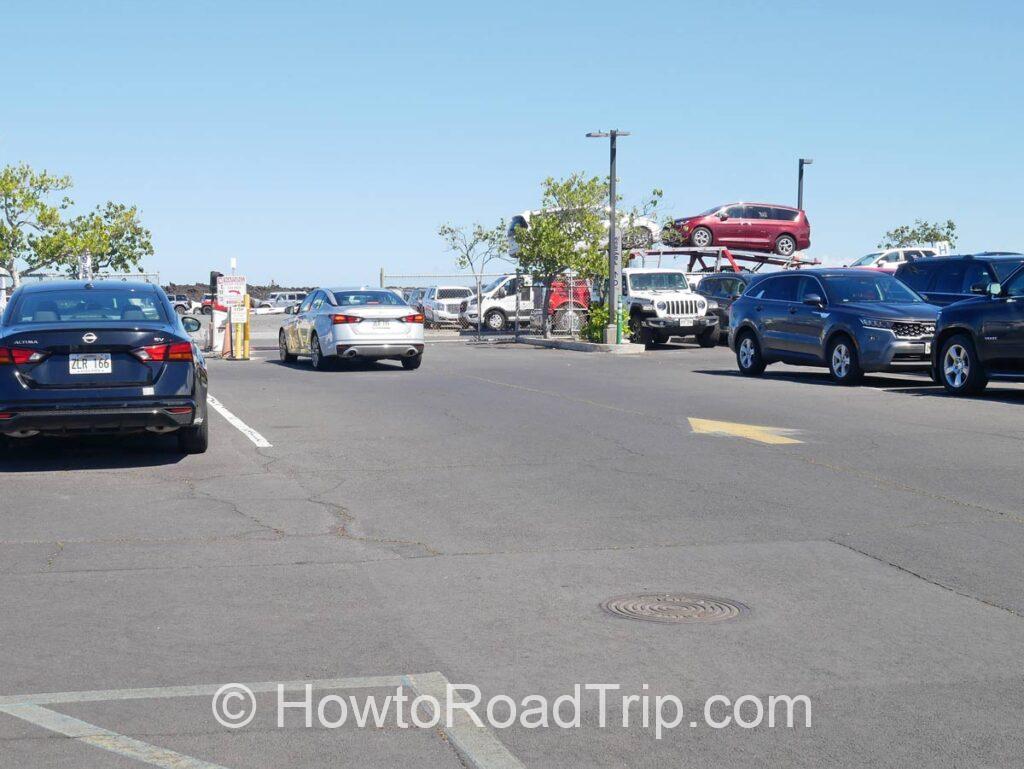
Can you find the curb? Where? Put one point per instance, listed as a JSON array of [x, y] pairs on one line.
[[626, 348]]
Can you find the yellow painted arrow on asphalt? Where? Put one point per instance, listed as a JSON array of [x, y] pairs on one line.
[[776, 436]]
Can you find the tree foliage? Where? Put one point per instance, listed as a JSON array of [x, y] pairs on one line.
[[35, 236], [920, 233], [475, 247], [31, 203]]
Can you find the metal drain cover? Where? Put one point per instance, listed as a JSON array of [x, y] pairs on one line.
[[674, 607]]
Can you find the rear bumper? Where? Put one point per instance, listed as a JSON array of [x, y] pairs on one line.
[[52, 418], [380, 350]]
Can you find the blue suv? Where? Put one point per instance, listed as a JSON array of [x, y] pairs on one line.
[[850, 321]]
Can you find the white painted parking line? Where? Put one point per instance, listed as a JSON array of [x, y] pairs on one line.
[[476, 745], [105, 739], [238, 424]]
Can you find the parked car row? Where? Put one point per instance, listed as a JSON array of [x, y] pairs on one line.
[[959, 318]]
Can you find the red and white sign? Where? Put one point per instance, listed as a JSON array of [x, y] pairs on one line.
[[231, 290]]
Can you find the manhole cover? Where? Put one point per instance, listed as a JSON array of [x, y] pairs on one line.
[[674, 607]]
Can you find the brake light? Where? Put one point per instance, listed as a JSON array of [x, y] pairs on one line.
[[180, 410], [19, 355], [339, 320], [414, 318], [161, 353], [6, 415]]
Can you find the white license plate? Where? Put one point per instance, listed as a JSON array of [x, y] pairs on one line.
[[382, 324], [90, 363]]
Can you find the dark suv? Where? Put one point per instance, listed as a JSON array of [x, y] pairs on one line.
[[724, 288], [981, 338], [849, 320], [943, 280]]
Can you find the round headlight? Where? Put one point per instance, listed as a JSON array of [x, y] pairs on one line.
[[661, 305]]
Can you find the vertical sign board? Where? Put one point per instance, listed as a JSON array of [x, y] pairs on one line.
[[230, 290]]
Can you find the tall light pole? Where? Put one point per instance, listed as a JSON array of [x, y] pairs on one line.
[[613, 331], [800, 183]]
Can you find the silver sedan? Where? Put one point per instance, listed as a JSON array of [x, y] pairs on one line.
[[369, 323]]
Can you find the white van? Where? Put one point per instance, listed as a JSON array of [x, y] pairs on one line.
[[498, 306]]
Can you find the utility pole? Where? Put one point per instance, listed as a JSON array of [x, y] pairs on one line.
[[613, 331], [800, 182]]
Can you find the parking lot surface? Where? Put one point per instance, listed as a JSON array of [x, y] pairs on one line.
[[470, 517]]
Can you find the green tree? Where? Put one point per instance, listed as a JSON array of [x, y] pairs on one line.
[[30, 219], [566, 235], [920, 233], [111, 235], [475, 248]]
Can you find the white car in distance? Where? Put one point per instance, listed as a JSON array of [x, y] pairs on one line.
[[442, 304], [334, 324]]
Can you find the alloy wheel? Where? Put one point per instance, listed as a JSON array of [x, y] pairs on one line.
[[701, 238], [956, 366], [841, 360], [747, 352]]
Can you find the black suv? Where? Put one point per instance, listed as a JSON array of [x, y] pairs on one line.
[[725, 288], [942, 280], [981, 338], [849, 320]]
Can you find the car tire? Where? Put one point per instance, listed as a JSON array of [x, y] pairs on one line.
[[495, 320], [959, 368], [748, 355], [413, 363], [638, 334], [282, 349], [317, 358], [207, 310], [708, 337], [180, 309], [195, 440], [843, 362], [701, 238], [785, 245]]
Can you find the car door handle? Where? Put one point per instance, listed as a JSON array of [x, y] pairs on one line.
[[758, 308], [792, 310]]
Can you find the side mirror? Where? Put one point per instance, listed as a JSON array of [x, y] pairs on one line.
[[814, 300], [192, 325], [734, 297], [995, 290], [722, 216]]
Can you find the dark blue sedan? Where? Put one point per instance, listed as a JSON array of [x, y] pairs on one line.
[[106, 357]]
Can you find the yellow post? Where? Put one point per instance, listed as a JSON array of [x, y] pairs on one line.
[[246, 330]]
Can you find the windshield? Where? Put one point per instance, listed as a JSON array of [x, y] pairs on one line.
[[658, 281], [363, 298], [1005, 267], [870, 287], [493, 284], [76, 305], [864, 261]]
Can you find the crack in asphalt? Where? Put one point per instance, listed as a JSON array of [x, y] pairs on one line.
[[930, 581]]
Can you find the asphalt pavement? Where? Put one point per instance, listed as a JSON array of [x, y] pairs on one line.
[[469, 519]]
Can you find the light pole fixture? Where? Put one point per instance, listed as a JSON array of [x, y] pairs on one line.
[[613, 331], [800, 183]]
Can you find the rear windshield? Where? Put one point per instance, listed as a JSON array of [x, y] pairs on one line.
[[79, 305], [362, 298]]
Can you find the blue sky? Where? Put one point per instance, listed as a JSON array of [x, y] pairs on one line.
[[317, 142]]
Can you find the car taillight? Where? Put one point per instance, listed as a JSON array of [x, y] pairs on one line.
[[414, 318], [19, 355], [6, 415], [339, 320], [161, 353]]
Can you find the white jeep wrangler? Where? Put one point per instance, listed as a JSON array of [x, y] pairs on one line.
[[661, 304]]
